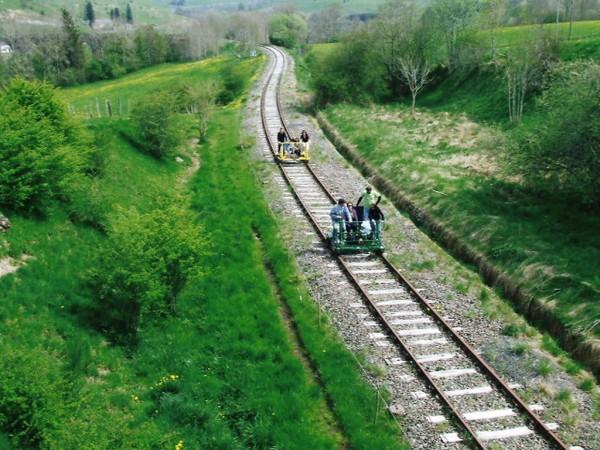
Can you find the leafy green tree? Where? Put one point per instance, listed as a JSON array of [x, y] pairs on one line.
[[288, 30], [150, 46], [143, 267], [89, 15], [129, 14], [563, 150], [159, 130], [452, 19], [41, 150], [353, 73]]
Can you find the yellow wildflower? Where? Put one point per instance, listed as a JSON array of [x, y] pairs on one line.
[[179, 445]]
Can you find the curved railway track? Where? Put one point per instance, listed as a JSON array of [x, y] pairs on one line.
[[467, 384]]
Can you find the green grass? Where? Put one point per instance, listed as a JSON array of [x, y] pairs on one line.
[[222, 373], [124, 92]]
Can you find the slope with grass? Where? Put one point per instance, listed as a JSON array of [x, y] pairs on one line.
[[220, 373]]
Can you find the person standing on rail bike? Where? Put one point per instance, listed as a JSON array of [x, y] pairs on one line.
[[305, 139], [339, 214], [368, 198], [281, 138], [376, 219]]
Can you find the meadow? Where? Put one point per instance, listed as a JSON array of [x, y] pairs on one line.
[[223, 371]]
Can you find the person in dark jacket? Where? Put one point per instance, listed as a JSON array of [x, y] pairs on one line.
[[281, 138], [305, 139], [376, 219]]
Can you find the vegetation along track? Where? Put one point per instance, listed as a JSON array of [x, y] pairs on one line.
[[482, 406]]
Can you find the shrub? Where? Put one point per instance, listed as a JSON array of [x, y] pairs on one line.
[[562, 152], [233, 84], [41, 150], [32, 390], [157, 124], [143, 266], [352, 73]]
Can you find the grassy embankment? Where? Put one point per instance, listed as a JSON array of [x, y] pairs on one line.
[[445, 161], [222, 372]]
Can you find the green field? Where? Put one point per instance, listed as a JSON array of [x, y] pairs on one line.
[[222, 372]]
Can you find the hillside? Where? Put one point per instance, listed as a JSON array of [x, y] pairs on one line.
[[46, 12]]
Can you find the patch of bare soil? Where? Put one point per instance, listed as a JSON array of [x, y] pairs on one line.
[[189, 172]]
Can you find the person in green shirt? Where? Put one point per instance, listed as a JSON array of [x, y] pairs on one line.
[[368, 198]]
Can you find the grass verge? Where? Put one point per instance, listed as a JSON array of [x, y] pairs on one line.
[[240, 211]]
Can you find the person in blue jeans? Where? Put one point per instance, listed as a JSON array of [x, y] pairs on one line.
[[368, 199], [339, 214]]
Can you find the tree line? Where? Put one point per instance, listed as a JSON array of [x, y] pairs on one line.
[[67, 56]]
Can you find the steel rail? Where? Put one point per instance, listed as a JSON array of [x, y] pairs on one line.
[[543, 430]]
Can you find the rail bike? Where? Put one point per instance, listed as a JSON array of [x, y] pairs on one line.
[[358, 236], [292, 152]]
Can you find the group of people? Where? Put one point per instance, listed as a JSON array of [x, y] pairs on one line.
[[292, 146], [345, 215]]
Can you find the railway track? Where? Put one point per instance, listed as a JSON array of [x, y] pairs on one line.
[[477, 402]]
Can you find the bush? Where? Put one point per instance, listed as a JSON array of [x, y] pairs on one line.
[[32, 390], [41, 150], [233, 84], [288, 30], [563, 150], [157, 124], [143, 266], [353, 73]]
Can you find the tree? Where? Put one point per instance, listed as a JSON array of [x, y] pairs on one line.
[[288, 30], [41, 150], [563, 151], [415, 70], [143, 266], [324, 25], [72, 44], [150, 46], [394, 27], [524, 67], [494, 12], [129, 14], [158, 128], [452, 18], [89, 15]]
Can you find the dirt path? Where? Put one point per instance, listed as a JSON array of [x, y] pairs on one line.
[[189, 172]]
